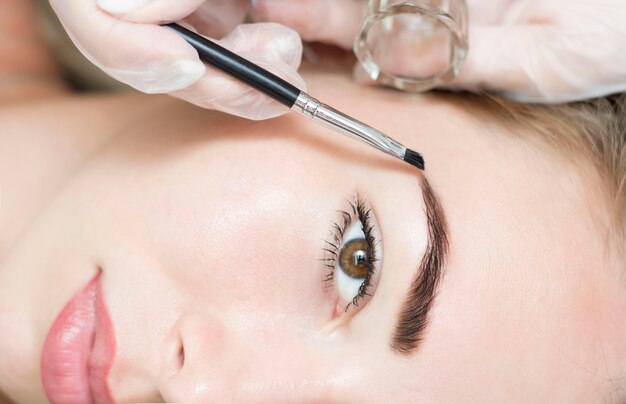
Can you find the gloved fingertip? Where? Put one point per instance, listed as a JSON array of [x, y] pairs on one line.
[[361, 76], [117, 7], [174, 76], [190, 71], [296, 80], [271, 110]]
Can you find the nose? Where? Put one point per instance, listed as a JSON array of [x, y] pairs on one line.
[[203, 352], [223, 362]]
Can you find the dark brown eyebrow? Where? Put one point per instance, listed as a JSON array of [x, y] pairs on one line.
[[415, 309]]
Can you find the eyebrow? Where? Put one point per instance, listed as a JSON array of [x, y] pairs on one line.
[[414, 314]]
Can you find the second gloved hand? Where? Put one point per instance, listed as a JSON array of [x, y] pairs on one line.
[[528, 50], [124, 39]]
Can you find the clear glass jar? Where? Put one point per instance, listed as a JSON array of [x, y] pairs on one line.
[[413, 45]]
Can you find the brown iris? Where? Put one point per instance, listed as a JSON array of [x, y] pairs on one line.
[[353, 258]]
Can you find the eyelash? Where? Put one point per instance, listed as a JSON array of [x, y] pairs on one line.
[[362, 213]]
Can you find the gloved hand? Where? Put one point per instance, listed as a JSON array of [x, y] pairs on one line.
[[528, 50], [124, 39]]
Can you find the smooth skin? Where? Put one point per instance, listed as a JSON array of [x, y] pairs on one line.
[[208, 230]]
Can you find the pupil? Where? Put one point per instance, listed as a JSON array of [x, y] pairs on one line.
[[360, 257], [353, 258]]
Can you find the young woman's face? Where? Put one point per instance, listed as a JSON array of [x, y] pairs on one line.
[[218, 260]]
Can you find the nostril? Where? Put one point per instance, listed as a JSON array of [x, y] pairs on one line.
[[181, 356], [174, 357]]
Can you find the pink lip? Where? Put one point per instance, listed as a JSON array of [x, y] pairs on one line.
[[78, 351]]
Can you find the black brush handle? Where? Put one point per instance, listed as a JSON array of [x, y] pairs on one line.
[[240, 68]]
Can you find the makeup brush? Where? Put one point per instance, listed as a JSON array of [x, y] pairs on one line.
[[289, 95]]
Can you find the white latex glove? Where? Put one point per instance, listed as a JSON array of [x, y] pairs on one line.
[[123, 38], [528, 50]]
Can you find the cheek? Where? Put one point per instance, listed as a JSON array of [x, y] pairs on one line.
[[257, 249], [264, 262]]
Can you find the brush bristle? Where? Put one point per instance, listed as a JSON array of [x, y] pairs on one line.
[[414, 158]]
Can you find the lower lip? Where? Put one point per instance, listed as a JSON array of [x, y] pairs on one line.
[[78, 351]]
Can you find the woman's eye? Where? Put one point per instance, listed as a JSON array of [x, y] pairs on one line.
[[353, 257]]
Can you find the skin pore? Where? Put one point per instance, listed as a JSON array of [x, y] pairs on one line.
[[209, 231]]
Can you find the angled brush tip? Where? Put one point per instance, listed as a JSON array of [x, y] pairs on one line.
[[414, 159]]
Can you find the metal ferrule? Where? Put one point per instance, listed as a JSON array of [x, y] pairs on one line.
[[333, 119]]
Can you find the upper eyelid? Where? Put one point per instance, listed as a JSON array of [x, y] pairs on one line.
[[357, 197], [347, 220], [347, 217]]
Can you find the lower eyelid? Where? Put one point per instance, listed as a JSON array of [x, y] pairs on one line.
[[350, 286]]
